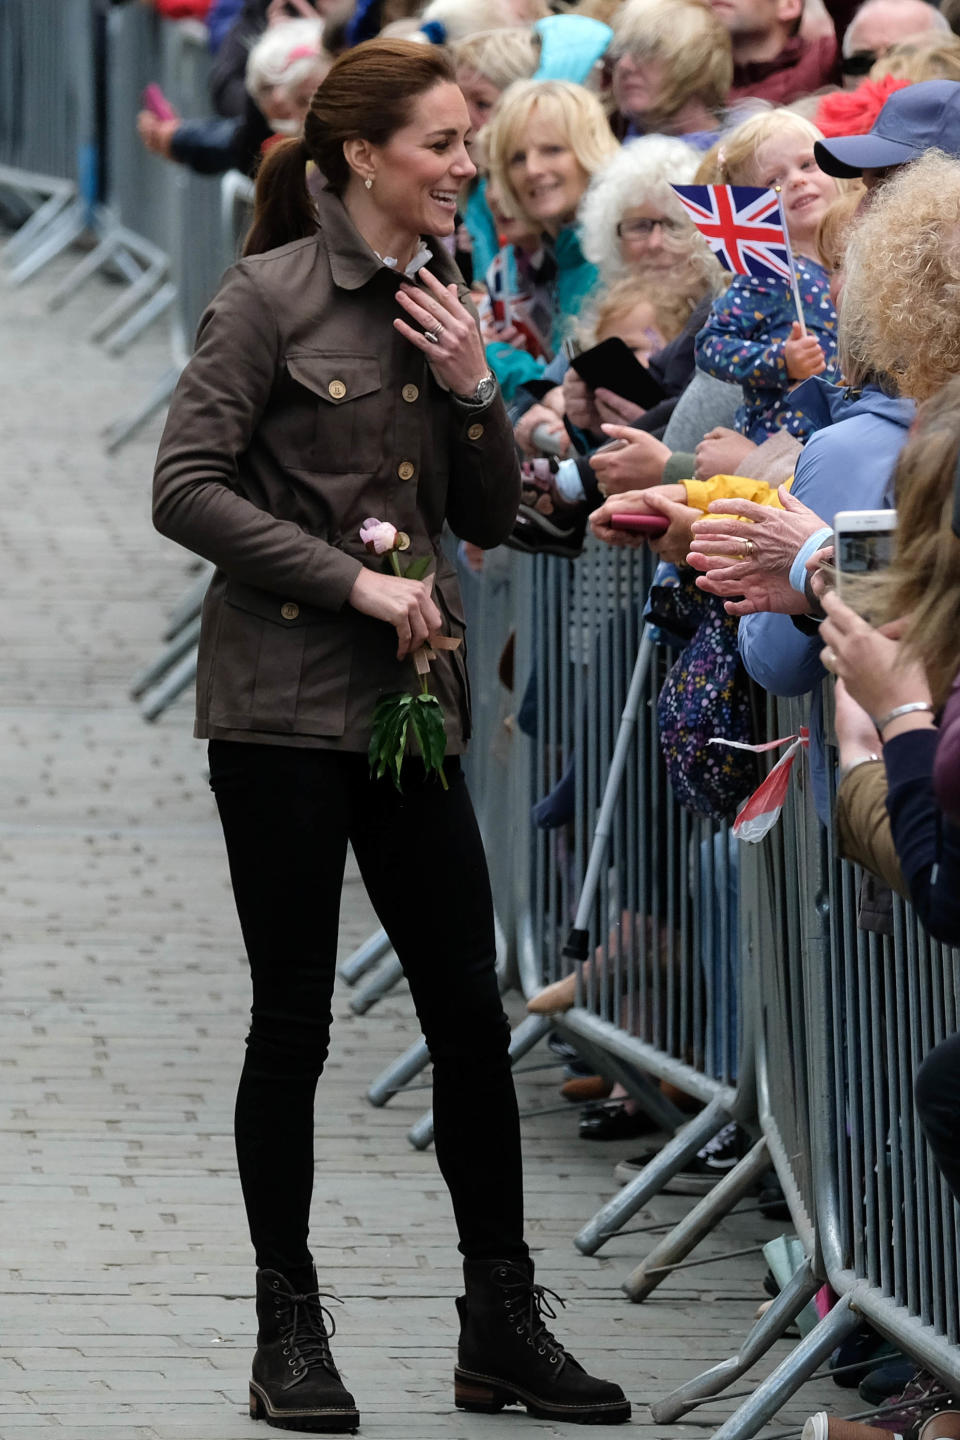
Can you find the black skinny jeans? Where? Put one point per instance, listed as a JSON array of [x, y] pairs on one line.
[[287, 815]]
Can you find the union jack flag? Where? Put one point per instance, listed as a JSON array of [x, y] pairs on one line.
[[743, 226]]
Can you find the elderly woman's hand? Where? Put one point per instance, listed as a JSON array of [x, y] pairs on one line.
[[578, 398], [455, 352], [750, 558], [531, 420], [157, 135], [636, 463], [630, 502], [872, 665], [720, 452]]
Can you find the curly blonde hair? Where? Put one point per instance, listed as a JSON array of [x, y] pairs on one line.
[[900, 316], [671, 311], [922, 582], [922, 57]]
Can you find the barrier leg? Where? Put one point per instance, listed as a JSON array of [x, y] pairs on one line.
[[153, 673], [163, 695], [84, 270], [527, 1034], [364, 957], [158, 304], [383, 979], [46, 214], [399, 1073], [797, 1293], [790, 1374], [671, 1158], [69, 225], [704, 1216], [124, 429], [189, 607]]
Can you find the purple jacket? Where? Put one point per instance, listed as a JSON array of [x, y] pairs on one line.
[[946, 768]]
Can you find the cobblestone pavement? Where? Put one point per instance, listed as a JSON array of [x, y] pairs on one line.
[[125, 1272]]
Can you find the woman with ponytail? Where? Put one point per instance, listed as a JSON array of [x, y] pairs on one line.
[[339, 374]]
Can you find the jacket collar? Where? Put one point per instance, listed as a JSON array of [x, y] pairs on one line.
[[352, 262]]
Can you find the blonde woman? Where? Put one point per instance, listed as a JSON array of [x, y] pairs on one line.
[[547, 138], [673, 69]]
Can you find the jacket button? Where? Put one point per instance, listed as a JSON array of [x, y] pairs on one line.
[[290, 611], [406, 469], [475, 432], [337, 389], [410, 393]]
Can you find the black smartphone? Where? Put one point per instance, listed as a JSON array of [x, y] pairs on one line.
[[612, 365]]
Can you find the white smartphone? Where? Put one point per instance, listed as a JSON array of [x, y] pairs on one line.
[[863, 544]]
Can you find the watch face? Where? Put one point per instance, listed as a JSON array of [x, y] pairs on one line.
[[486, 388]]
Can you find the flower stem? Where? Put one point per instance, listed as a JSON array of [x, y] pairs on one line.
[[395, 563]]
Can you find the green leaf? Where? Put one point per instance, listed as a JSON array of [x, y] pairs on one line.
[[388, 737], [417, 569], [429, 731]]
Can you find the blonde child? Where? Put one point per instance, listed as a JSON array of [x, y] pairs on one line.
[[752, 336], [635, 311]]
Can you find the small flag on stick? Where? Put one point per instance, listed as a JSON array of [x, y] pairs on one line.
[[745, 229]]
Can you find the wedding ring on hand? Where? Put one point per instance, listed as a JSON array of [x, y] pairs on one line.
[[749, 546], [434, 335]]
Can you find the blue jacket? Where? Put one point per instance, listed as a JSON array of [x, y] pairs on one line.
[[847, 465]]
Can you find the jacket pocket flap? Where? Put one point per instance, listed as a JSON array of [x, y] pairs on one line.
[[335, 376], [269, 606]]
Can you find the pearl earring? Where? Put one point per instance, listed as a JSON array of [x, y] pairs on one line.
[[369, 183]]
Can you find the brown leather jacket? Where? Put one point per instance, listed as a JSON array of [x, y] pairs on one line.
[[303, 412]]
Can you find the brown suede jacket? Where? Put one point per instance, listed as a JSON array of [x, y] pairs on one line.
[[302, 413]]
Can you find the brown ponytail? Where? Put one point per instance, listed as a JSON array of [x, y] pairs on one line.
[[367, 95], [282, 208]]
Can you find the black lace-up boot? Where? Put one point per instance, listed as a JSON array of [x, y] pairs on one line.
[[295, 1384], [508, 1356]]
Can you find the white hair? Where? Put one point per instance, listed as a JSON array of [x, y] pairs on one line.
[[284, 55], [639, 174], [461, 18], [927, 17]]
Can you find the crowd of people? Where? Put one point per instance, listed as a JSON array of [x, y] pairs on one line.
[[628, 372]]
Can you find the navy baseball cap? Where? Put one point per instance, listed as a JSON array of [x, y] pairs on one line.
[[918, 118]]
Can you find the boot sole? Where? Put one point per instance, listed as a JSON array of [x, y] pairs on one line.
[[318, 1422], [487, 1395]]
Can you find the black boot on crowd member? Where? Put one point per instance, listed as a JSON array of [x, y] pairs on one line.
[[508, 1356], [295, 1385]]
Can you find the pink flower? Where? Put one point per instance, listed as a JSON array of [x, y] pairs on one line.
[[378, 536]]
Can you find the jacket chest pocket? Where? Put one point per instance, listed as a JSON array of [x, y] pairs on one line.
[[337, 418]]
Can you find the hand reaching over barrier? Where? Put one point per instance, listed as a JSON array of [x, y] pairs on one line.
[[746, 552]]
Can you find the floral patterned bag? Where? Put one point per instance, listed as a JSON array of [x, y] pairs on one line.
[[706, 694]]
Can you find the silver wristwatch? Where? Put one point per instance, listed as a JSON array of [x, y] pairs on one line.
[[483, 394]]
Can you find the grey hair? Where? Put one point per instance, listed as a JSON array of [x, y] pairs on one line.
[[936, 22], [639, 174]]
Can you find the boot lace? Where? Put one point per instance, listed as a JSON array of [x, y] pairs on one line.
[[528, 1309], [306, 1329]]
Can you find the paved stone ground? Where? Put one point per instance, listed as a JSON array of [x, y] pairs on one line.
[[125, 1272]]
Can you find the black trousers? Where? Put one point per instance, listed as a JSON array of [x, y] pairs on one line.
[[937, 1094], [287, 815]]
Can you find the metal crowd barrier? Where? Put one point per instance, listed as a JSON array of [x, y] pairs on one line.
[[49, 140], [734, 973]]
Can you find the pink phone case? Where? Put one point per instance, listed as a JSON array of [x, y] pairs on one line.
[[157, 103], [652, 525]]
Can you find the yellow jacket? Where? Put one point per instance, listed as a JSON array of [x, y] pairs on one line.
[[731, 487]]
